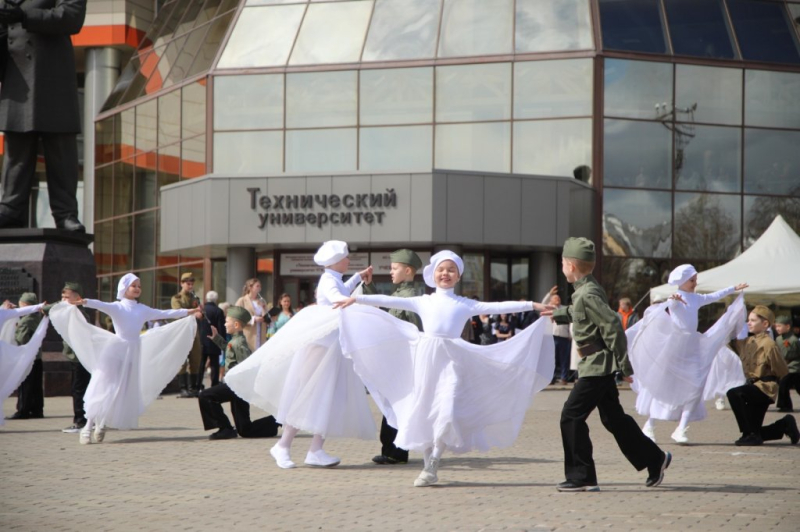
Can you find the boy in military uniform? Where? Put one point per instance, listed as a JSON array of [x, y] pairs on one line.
[[404, 266], [211, 399], [189, 372], [790, 350], [30, 395], [763, 367], [603, 350]]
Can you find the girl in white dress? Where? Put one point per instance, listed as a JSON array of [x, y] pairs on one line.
[[300, 375], [438, 390], [675, 365], [130, 368], [16, 361]]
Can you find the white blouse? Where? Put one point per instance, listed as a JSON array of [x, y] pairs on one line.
[[10, 313], [444, 313], [685, 316], [128, 315], [331, 289]]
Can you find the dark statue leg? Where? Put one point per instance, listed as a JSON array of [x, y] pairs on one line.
[[19, 171], [61, 164]]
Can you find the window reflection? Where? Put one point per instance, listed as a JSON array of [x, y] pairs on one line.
[[104, 198], [633, 278], [633, 25], [637, 154], [481, 147], [396, 96], [637, 223], [146, 126], [123, 187], [545, 89], [402, 29], [473, 92], [544, 26], [498, 280], [699, 28], [122, 244], [637, 89], [234, 98], [146, 279], [250, 152], [169, 166], [169, 118], [127, 133], [552, 147], [332, 33], [772, 99], [193, 157], [193, 109], [763, 31], [144, 230], [166, 281], [760, 212], [103, 234], [707, 226], [472, 280], [772, 162], [387, 149], [476, 27], [709, 160], [145, 180], [323, 150], [276, 28], [715, 93], [321, 99], [104, 141]]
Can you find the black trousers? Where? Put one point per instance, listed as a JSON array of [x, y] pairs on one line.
[[214, 417], [19, 172], [30, 396], [388, 448], [749, 405], [80, 381], [789, 382], [213, 364], [601, 393]]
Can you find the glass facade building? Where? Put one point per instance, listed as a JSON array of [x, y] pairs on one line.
[[681, 115]]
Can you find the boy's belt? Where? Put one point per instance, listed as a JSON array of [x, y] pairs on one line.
[[769, 378], [590, 349]]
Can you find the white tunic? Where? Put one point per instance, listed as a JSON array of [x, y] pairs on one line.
[[300, 375], [435, 387], [130, 368], [16, 361]]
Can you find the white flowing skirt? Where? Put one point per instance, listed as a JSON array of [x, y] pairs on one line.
[[16, 361], [126, 375], [446, 390], [300, 376], [676, 369]]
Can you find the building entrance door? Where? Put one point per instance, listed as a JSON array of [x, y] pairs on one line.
[[302, 290]]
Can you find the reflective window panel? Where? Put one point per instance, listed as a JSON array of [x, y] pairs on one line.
[[146, 278], [389, 149], [772, 99], [476, 27], [472, 280], [276, 28], [193, 109], [123, 244], [332, 33], [772, 162], [248, 153], [126, 124], [193, 157], [317, 99], [764, 31], [145, 181], [481, 147], [699, 28], [633, 278], [545, 89], [169, 117], [498, 279], [183, 62], [633, 25], [794, 17], [760, 212], [321, 150], [547, 26], [708, 158], [146, 126], [403, 29], [552, 147], [638, 89], [396, 96], [104, 141], [637, 154], [123, 186], [167, 285], [144, 231], [466, 93], [234, 98], [103, 234], [707, 226], [637, 223], [211, 43], [103, 196], [169, 166], [715, 94]]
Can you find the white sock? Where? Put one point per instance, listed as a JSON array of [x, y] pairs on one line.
[[650, 424], [684, 418], [289, 432], [426, 455], [316, 443], [438, 450], [88, 426]]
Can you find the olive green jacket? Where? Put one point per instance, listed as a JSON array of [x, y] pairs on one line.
[[236, 351], [790, 350], [594, 322], [404, 289], [26, 326]]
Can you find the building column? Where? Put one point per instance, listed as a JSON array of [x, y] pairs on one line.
[[102, 71], [239, 268], [544, 272]]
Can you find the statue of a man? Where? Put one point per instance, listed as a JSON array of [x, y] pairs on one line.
[[39, 102]]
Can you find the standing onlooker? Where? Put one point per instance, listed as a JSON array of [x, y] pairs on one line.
[[521, 320], [224, 308], [211, 352], [191, 371], [251, 300], [790, 350], [561, 337], [282, 314], [487, 328], [627, 315], [502, 328], [30, 396]]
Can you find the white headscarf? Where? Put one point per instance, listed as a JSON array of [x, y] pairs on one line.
[[681, 274], [126, 281], [330, 253], [437, 259]]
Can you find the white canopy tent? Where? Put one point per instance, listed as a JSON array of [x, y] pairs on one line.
[[771, 266]]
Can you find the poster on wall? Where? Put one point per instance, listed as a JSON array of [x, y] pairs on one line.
[[303, 265], [381, 263]]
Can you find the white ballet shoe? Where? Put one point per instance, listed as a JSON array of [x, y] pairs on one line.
[[720, 403], [649, 432], [85, 437], [282, 457], [680, 436], [321, 459], [99, 434], [429, 476]]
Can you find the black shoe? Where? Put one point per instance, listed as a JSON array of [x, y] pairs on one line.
[[224, 434], [791, 429], [37, 415], [71, 223], [18, 415], [380, 459], [185, 394], [656, 473], [749, 440], [393, 461], [574, 485], [785, 410], [7, 222]]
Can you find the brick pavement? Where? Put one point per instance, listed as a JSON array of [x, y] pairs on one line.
[[168, 476]]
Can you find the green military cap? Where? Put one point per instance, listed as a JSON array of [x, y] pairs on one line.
[[784, 320], [29, 298], [75, 287], [188, 276], [406, 256], [239, 313], [579, 248], [764, 313]]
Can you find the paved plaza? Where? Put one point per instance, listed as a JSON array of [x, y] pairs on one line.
[[168, 476]]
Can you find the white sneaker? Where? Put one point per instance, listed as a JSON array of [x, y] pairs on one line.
[[680, 436], [649, 432], [720, 403], [429, 476], [85, 437], [321, 459], [99, 433], [282, 457]]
